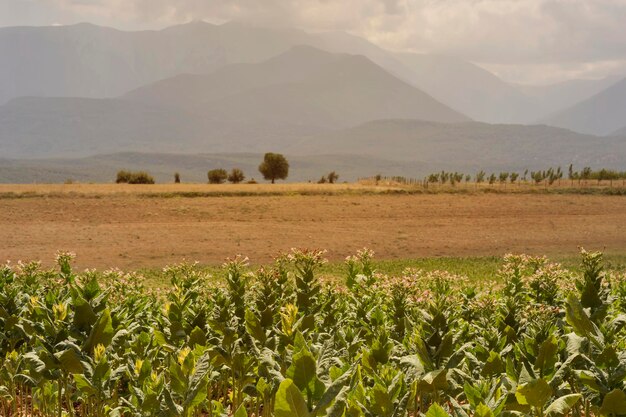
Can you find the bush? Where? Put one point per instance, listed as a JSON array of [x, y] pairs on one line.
[[236, 176], [129, 177], [123, 177], [141, 177], [333, 177], [176, 178], [217, 176]]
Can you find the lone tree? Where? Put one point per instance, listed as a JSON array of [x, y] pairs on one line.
[[236, 176], [217, 176], [333, 177], [274, 167], [177, 178]]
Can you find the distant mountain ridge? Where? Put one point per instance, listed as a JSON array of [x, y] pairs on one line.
[[83, 90], [601, 114], [251, 107], [86, 60], [469, 145], [90, 61]]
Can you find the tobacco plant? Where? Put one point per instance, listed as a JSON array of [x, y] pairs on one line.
[[535, 340]]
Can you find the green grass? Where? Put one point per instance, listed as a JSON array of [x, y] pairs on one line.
[[477, 269]]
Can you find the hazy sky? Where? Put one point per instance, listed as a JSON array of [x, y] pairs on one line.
[[521, 40]]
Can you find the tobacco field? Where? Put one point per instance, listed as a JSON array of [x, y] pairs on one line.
[[535, 340]]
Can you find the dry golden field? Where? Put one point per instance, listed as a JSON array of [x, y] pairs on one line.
[[133, 227]]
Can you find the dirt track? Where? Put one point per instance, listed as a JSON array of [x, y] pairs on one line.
[[131, 232]]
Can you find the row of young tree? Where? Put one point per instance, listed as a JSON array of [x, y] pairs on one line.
[[546, 177]]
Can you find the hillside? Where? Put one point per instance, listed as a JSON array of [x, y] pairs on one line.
[[620, 132], [469, 146], [470, 89], [601, 114], [343, 92], [86, 60], [192, 168], [192, 90], [245, 108], [556, 97], [392, 147]]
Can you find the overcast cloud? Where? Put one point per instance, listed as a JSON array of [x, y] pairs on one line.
[[521, 40]]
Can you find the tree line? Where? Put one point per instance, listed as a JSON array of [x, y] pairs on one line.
[[273, 167], [547, 177]]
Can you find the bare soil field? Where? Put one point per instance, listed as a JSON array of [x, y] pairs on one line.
[[131, 231]]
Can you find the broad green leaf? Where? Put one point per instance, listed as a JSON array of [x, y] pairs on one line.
[[547, 356], [289, 401], [577, 318], [253, 326], [473, 395], [435, 380], [494, 365], [197, 384], [84, 316], [197, 337], [589, 379], [483, 411], [101, 332], [535, 393], [435, 410], [562, 405], [614, 403], [303, 369], [241, 412], [339, 406], [381, 403], [70, 361], [83, 385]]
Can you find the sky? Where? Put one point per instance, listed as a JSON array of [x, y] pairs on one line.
[[526, 41]]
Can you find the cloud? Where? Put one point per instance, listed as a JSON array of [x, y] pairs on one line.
[[497, 33]]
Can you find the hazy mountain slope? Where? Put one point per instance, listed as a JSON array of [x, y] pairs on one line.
[[472, 145], [469, 89], [601, 114], [191, 90], [71, 127], [91, 61], [559, 96], [346, 92], [336, 91], [85, 60], [41, 127], [620, 132], [342, 42], [192, 168]]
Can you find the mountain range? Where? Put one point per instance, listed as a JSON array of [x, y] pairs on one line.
[[74, 91]]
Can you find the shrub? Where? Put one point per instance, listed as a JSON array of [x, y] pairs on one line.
[[123, 176], [129, 177], [333, 177], [217, 176], [176, 178], [141, 177], [236, 176]]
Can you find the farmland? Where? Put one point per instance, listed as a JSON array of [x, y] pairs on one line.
[[541, 341], [439, 322], [139, 227]]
